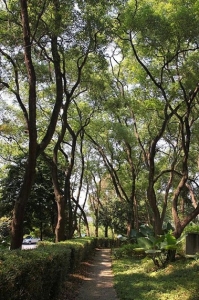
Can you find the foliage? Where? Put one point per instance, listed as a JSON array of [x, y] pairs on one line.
[[138, 277], [128, 250], [41, 272], [126, 77], [145, 243], [4, 232], [154, 77], [160, 248], [22, 272], [41, 209], [192, 227]]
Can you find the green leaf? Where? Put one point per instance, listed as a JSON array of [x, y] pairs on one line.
[[171, 240], [145, 243]]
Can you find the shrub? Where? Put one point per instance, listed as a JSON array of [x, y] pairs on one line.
[[128, 250], [34, 274], [39, 274]]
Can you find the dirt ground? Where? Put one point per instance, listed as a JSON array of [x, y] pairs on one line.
[[93, 280]]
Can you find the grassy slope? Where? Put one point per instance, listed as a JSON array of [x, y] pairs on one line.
[[136, 279]]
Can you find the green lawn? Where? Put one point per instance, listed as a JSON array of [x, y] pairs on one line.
[[136, 279]]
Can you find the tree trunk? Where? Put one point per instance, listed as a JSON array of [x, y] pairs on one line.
[[60, 226], [157, 222], [130, 221], [136, 216], [129, 225], [171, 255], [20, 204], [71, 221], [83, 214], [106, 231], [131, 201], [30, 117], [19, 208], [96, 222]]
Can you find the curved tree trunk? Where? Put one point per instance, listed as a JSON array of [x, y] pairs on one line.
[[61, 216], [19, 208], [106, 231], [156, 219], [34, 149], [96, 222], [20, 204]]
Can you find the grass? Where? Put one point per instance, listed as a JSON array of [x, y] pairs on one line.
[[136, 279]]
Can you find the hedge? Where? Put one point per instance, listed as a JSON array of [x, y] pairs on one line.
[[39, 274]]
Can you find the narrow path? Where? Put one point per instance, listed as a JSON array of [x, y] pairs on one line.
[[98, 282]]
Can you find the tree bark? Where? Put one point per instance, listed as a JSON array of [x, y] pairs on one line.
[[106, 231], [60, 234], [20, 204], [34, 149], [96, 222]]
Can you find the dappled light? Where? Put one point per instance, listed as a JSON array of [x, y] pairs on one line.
[[99, 149], [98, 284], [176, 281]]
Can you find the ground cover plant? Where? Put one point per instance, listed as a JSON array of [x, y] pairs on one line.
[[137, 278]]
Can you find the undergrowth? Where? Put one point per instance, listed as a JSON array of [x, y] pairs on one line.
[[137, 279]]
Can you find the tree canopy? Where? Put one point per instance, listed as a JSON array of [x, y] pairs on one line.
[[107, 96]]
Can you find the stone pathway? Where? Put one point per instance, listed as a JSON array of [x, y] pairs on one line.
[[98, 282]]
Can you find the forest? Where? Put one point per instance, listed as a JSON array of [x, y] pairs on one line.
[[98, 116]]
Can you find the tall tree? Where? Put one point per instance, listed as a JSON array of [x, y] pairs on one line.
[[163, 49], [41, 208], [36, 39], [55, 39]]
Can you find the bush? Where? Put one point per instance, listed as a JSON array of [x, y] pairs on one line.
[[39, 274], [128, 250], [192, 227], [34, 274], [105, 242]]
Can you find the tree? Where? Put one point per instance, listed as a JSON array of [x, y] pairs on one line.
[[55, 39], [27, 24], [116, 144], [161, 48], [40, 209], [141, 117], [80, 78]]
